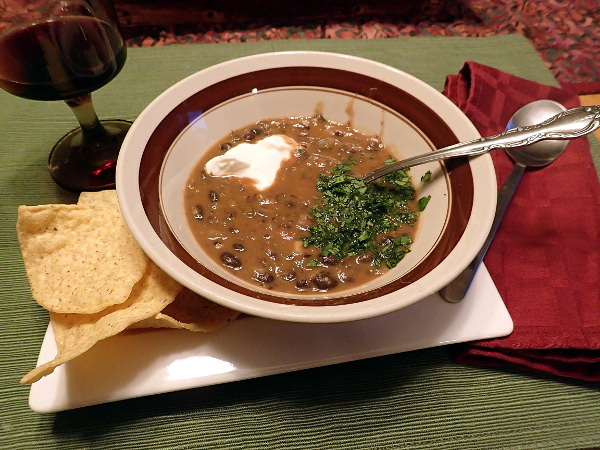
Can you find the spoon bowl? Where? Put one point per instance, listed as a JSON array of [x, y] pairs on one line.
[[544, 152]]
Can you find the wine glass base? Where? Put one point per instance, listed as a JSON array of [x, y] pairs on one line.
[[80, 163]]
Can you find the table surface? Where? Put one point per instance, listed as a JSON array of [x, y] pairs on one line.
[[420, 399]]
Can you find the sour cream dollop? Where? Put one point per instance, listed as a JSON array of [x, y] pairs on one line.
[[259, 161]]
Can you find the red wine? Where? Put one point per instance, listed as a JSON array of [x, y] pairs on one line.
[[60, 59]]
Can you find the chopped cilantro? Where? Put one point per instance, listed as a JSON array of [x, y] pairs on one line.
[[423, 202], [355, 217], [426, 176]]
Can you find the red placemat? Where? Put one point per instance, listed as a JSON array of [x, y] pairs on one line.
[[545, 257]]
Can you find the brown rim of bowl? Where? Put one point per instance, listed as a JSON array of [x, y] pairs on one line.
[[459, 176]]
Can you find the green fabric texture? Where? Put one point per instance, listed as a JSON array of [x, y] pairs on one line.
[[416, 400]]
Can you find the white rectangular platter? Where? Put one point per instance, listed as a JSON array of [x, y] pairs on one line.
[[156, 361]]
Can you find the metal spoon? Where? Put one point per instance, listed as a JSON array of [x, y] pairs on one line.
[[535, 155], [568, 124]]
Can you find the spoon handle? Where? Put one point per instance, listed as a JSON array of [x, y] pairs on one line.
[[457, 289], [569, 124]]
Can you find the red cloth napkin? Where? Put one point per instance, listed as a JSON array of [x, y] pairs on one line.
[[545, 257]]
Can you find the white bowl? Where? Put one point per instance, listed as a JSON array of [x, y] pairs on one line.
[[170, 135]]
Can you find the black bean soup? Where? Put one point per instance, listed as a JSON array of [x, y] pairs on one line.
[[255, 234]]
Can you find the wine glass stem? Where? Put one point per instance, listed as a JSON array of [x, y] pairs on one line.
[[84, 111]]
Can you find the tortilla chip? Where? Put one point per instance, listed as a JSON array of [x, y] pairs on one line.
[[99, 198], [77, 333], [78, 259], [192, 312]]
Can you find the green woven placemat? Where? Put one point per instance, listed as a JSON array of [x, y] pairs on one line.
[[419, 400]]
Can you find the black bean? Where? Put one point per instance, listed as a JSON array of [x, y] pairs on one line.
[[324, 281], [330, 260], [302, 283], [230, 261], [225, 146], [214, 197], [238, 247], [345, 278], [197, 212], [264, 277], [290, 276], [249, 135]]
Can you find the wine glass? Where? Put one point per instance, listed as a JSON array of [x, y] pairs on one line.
[[65, 50]]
